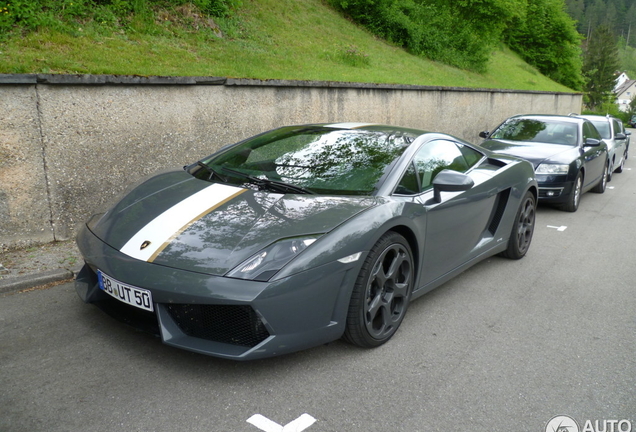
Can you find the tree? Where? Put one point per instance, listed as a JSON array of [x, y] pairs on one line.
[[600, 63], [631, 108], [630, 23], [576, 9]]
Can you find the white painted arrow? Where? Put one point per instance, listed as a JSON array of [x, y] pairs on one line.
[[265, 424], [561, 228]]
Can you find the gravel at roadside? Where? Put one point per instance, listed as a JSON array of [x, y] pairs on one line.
[[38, 265]]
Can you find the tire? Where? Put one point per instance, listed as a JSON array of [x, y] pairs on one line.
[[575, 195], [381, 293], [610, 171], [522, 229], [602, 184], [622, 165]]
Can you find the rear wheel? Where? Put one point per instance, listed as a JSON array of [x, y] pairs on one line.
[[523, 228], [622, 165], [575, 194], [381, 293], [600, 186]]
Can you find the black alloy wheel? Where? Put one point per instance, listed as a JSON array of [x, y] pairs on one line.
[[522, 229], [381, 293]]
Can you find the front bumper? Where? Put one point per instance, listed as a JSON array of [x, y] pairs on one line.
[[219, 316], [554, 189]]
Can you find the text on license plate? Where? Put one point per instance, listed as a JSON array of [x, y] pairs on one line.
[[132, 295]]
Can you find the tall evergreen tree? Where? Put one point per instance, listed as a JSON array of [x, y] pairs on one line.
[[600, 62], [576, 9]]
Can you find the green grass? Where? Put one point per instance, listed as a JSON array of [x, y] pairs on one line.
[[267, 39]]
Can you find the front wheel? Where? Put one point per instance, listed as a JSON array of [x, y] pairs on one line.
[[381, 293], [522, 229], [602, 184], [572, 204]]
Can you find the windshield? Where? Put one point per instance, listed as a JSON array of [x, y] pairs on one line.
[[540, 131], [310, 160]]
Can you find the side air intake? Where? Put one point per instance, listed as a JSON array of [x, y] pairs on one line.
[[498, 210]]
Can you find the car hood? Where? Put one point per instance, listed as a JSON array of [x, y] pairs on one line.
[[534, 152], [178, 221]]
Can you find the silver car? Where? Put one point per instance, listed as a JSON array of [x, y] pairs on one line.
[[616, 138]]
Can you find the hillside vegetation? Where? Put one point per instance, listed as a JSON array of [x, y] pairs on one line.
[[261, 39]]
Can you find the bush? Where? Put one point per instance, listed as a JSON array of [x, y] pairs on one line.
[[459, 33], [462, 33], [546, 38]]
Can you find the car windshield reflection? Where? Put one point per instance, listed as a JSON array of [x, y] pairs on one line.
[[320, 160], [539, 131]]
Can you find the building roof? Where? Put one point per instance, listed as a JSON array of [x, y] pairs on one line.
[[624, 87]]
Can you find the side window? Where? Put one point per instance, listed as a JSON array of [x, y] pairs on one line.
[[618, 126], [471, 155], [590, 131], [409, 185], [432, 158]]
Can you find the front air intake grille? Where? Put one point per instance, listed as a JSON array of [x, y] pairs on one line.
[[231, 324], [134, 317]]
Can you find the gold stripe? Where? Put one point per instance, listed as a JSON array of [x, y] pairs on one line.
[[185, 227]]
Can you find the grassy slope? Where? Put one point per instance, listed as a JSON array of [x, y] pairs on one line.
[[277, 39]]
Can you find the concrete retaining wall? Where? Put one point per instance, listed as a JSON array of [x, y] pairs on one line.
[[70, 144]]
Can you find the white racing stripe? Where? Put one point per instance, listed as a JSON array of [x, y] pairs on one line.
[[349, 125], [159, 232]]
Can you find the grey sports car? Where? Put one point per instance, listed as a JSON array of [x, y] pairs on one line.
[[302, 235]]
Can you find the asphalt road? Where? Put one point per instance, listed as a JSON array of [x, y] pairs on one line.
[[505, 346]]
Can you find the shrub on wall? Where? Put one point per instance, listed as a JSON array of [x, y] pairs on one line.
[[546, 38], [459, 33], [462, 33]]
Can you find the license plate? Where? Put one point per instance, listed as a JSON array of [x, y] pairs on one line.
[[132, 295]]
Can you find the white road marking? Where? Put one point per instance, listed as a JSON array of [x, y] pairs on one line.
[[561, 228], [265, 424]]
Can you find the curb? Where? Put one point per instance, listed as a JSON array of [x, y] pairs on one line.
[[34, 280]]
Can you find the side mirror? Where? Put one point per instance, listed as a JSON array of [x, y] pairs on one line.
[[628, 133], [592, 142], [484, 134], [450, 181], [620, 136]]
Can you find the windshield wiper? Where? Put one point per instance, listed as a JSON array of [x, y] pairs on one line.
[[212, 172], [264, 183]]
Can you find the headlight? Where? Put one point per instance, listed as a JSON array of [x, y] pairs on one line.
[[552, 169], [267, 262]]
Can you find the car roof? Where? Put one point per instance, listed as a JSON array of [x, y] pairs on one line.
[[368, 126], [547, 117], [597, 117]]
